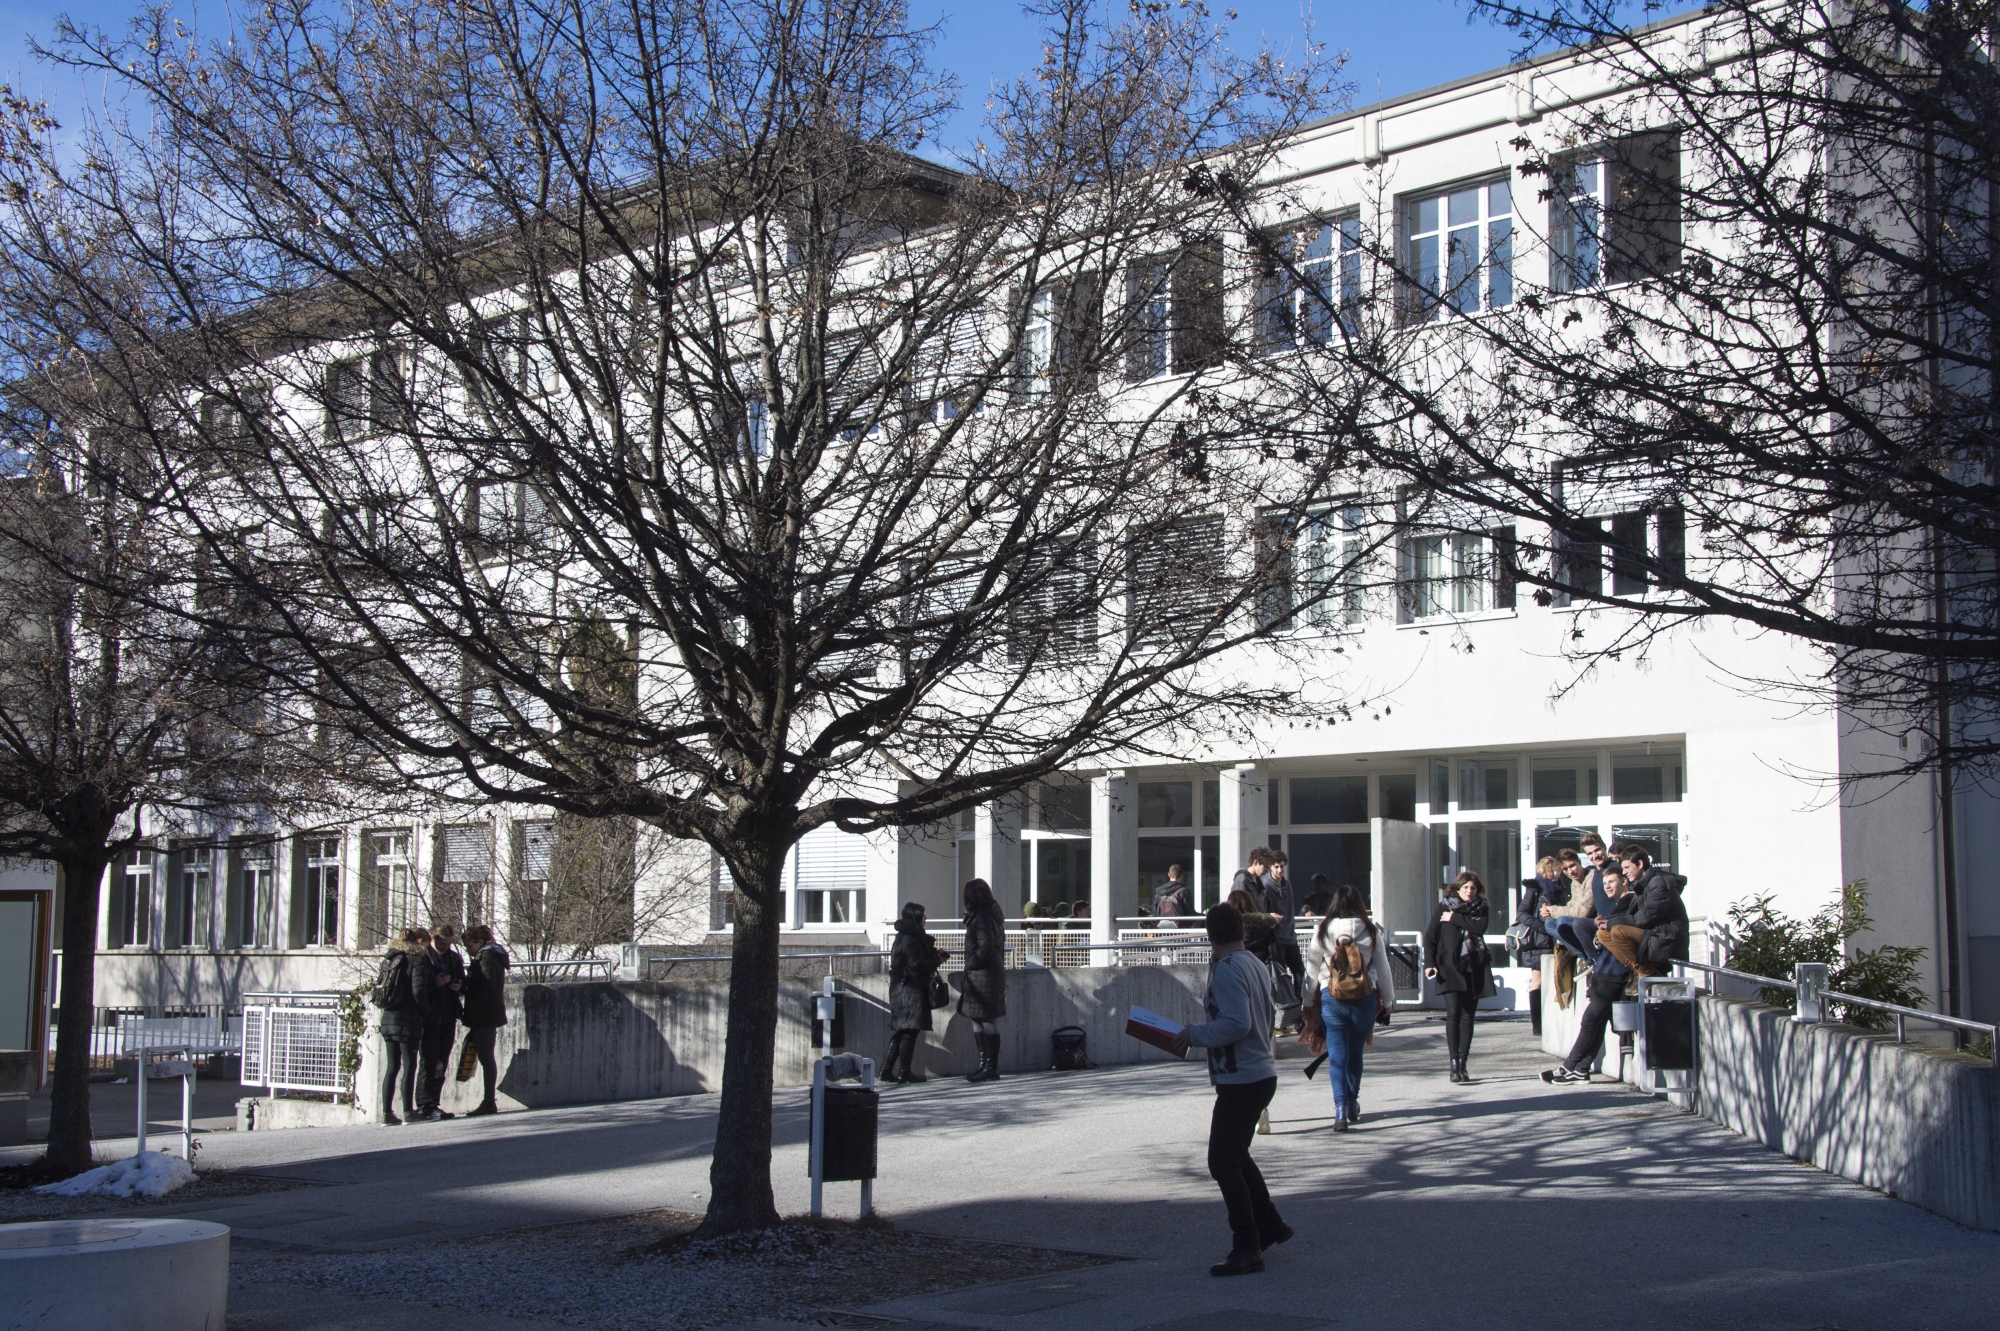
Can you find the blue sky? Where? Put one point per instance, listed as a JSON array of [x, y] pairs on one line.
[[1393, 48]]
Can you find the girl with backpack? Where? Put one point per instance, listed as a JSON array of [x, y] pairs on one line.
[[1353, 989], [403, 992]]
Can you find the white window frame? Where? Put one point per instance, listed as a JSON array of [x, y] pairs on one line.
[[257, 898], [1576, 240], [1321, 290], [196, 886], [1459, 216], [1449, 575], [322, 891]]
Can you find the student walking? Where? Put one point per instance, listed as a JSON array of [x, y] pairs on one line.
[[1243, 1067], [1455, 956], [983, 1001], [485, 1011], [914, 959], [403, 992], [1352, 986]]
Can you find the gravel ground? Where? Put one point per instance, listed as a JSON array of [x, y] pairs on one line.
[[646, 1271], [21, 1202]]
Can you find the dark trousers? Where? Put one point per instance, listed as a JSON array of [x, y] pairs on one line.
[[481, 1039], [1458, 1010], [438, 1038], [1285, 951], [1231, 1128], [403, 1056], [1589, 1034]]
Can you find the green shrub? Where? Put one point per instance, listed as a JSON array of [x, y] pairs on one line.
[[1769, 942]]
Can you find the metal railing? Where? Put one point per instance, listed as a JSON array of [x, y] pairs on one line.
[[291, 1041], [577, 970], [1812, 991], [791, 965], [118, 1032]]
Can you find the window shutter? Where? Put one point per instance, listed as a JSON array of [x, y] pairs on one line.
[[1197, 307], [1673, 546], [1079, 325], [1644, 199], [295, 909], [468, 853], [538, 841], [1506, 567], [829, 859]]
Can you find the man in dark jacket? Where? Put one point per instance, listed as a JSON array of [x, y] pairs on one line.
[[1604, 986], [1285, 936], [441, 1020], [1657, 935]]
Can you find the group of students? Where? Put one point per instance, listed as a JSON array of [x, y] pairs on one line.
[[1608, 916], [916, 988], [426, 989]]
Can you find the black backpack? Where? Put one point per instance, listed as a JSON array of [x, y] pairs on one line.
[[1069, 1049], [392, 983]]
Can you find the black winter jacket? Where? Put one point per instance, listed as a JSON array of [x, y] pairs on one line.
[[1444, 949], [485, 997], [1535, 894], [913, 959], [446, 1003], [1663, 915], [985, 994], [405, 977]]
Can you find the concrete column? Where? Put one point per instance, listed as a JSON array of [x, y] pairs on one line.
[[996, 849], [1242, 819], [1114, 853]]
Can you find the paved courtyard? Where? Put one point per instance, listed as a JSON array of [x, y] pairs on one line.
[[1502, 1204]]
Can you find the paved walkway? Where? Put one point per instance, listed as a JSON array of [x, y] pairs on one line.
[[1501, 1204]]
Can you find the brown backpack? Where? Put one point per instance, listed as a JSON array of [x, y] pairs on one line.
[[1347, 970]]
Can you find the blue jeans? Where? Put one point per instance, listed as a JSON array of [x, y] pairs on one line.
[[1349, 1023]]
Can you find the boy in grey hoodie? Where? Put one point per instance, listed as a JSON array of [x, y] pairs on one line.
[[1243, 1067]]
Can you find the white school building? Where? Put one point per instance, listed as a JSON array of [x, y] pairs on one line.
[[1477, 746]]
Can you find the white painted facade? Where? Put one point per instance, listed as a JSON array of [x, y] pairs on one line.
[[1462, 755]]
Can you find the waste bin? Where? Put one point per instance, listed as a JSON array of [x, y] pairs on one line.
[[850, 1133], [1669, 1030]]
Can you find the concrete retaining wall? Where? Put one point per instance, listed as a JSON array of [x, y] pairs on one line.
[[1916, 1122], [634, 1040]]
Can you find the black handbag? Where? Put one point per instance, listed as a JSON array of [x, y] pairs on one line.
[[940, 991]]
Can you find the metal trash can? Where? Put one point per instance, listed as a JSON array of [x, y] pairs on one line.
[[850, 1133], [1668, 1026]]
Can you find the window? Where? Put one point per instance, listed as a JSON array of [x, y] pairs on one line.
[[1064, 808], [1175, 581], [365, 396], [464, 874], [1174, 313], [321, 906], [1320, 568], [1651, 775], [1615, 213], [1311, 279], [1399, 796], [386, 903], [1643, 550], [132, 926], [1485, 785], [1329, 799], [1463, 573], [830, 875], [1166, 804], [534, 851], [507, 347], [1563, 781], [256, 898], [855, 391], [194, 897], [1660, 841], [956, 369], [1460, 250], [1055, 618], [1060, 324]]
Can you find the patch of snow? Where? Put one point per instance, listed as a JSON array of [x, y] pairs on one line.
[[147, 1174]]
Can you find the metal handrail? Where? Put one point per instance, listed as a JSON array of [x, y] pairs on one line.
[[1902, 1014], [528, 970], [828, 957]]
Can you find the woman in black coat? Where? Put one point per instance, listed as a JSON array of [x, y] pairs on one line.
[[1547, 888], [1455, 956], [913, 963], [485, 1007], [403, 992], [983, 1000]]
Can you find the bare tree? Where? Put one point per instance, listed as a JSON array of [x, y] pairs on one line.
[[582, 884], [123, 718], [636, 428]]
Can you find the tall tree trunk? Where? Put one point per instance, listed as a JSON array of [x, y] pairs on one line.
[[739, 1175], [69, 1091]]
